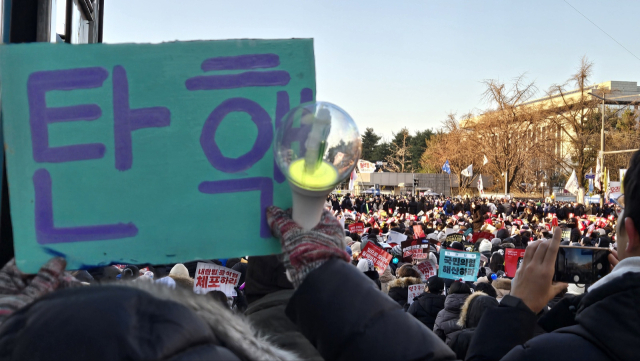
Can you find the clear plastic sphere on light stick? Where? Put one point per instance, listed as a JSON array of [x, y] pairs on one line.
[[316, 148]]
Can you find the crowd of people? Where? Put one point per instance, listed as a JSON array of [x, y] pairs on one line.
[[322, 299]]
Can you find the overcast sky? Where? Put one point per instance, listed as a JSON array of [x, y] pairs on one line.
[[407, 63]]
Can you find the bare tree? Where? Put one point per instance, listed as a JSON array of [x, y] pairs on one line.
[[511, 132], [400, 157], [572, 111]]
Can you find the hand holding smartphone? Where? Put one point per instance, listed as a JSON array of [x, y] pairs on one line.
[[583, 265]]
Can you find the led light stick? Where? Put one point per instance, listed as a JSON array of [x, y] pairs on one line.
[[316, 148]]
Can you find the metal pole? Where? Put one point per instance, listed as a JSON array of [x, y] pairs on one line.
[[602, 149]]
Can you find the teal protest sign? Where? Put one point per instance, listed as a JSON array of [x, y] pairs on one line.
[[140, 153], [459, 265]]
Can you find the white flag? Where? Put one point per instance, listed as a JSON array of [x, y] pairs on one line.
[[352, 179], [598, 179], [572, 184], [480, 186], [468, 172], [485, 161]]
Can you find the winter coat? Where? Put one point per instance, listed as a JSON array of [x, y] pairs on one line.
[[375, 277], [446, 321], [413, 207], [377, 329], [470, 315], [386, 277], [606, 326], [268, 317], [131, 321], [426, 307], [478, 220], [399, 289]]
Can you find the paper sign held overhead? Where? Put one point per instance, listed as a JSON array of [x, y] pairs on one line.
[[459, 265], [211, 277], [377, 255], [414, 291], [428, 269], [126, 153], [396, 237], [356, 228]]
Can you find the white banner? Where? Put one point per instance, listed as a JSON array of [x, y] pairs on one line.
[[366, 167]]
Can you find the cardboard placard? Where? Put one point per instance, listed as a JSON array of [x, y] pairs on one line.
[[428, 269], [414, 291], [377, 255], [121, 152], [356, 228], [457, 265], [211, 277], [418, 232], [512, 259]]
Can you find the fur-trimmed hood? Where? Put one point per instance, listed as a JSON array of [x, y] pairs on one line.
[[404, 282], [465, 307], [502, 284], [183, 282], [234, 331], [128, 320]]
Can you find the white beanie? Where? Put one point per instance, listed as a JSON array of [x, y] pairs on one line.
[[179, 270], [485, 246], [167, 281], [365, 265]]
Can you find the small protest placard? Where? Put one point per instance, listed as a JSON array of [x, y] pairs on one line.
[[427, 268], [377, 255], [459, 265], [512, 259], [211, 277], [414, 291], [356, 228], [418, 232], [454, 238], [396, 237]]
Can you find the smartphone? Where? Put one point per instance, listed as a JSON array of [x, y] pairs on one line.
[[582, 265]]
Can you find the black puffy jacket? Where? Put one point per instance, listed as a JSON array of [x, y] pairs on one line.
[[139, 321], [426, 307], [606, 327], [360, 332]]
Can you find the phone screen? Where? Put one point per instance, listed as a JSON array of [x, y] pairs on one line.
[[581, 265]]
